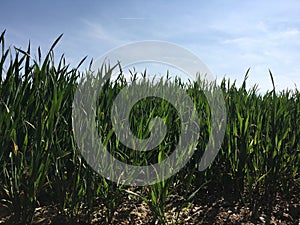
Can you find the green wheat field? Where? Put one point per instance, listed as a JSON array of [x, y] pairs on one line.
[[41, 165]]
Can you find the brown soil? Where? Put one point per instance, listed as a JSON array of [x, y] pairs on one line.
[[209, 207]]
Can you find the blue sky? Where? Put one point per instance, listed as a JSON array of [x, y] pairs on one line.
[[228, 36]]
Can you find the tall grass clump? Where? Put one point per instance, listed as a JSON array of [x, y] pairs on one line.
[[260, 149], [38, 161]]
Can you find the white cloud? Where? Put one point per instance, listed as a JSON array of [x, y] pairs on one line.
[[229, 37], [102, 33]]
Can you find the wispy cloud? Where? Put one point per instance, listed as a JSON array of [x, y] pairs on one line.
[[228, 36], [102, 33], [132, 18]]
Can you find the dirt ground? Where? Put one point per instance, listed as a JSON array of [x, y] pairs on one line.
[[209, 207]]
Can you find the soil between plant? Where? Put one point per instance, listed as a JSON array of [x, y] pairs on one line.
[[209, 207]]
